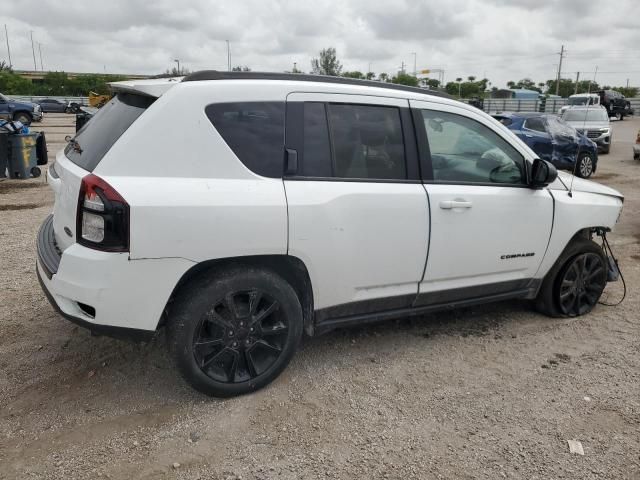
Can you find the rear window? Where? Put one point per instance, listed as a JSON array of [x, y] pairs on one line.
[[255, 133], [97, 136]]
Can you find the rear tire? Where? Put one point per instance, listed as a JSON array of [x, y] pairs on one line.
[[575, 283], [234, 332]]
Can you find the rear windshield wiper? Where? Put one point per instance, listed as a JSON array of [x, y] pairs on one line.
[[74, 144]]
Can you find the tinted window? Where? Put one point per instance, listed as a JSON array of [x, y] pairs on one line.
[[535, 123], [463, 150], [586, 115], [98, 135], [367, 142], [255, 133], [316, 160]]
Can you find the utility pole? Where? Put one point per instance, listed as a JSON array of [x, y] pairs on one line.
[[40, 52], [559, 70], [33, 50], [627, 79], [228, 56], [402, 67], [178, 62], [415, 71], [370, 70], [577, 80], [6, 33]]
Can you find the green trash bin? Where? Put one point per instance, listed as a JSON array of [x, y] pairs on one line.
[[23, 161]]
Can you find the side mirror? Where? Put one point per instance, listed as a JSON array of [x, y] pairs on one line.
[[542, 173]]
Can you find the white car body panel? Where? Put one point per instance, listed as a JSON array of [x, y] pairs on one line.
[[192, 200]]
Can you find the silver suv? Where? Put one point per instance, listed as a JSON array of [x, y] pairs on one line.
[[592, 122]]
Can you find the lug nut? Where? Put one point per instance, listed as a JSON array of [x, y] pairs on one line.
[[231, 333], [251, 329], [242, 324], [234, 344]]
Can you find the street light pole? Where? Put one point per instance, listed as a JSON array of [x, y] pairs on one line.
[[6, 33], [40, 52], [228, 56], [33, 50], [415, 70]]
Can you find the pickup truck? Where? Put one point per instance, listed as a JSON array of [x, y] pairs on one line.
[[24, 112], [615, 103]]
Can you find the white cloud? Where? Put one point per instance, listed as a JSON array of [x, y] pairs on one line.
[[504, 40]]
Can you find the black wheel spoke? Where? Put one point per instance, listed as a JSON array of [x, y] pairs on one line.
[[254, 301], [209, 343], [233, 367], [257, 319], [230, 302], [251, 366], [216, 318], [268, 346], [275, 330], [213, 358]]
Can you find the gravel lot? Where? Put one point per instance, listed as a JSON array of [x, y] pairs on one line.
[[484, 392]]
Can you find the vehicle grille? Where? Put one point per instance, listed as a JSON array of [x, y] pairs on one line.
[[590, 133]]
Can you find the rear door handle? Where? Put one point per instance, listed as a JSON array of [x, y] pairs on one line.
[[449, 204]]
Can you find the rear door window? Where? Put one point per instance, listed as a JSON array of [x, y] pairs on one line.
[[536, 124], [255, 133], [367, 142], [97, 136]]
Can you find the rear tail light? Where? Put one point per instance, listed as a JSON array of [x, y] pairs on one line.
[[103, 216]]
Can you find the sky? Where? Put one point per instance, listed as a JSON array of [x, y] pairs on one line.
[[501, 40]]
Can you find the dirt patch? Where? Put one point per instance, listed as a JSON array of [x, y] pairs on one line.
[[605, 176], [22, 206], [8, 186]]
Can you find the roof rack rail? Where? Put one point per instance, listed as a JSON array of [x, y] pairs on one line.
[[302, 77]]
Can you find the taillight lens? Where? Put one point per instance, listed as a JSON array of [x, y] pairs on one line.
[[103, 216]]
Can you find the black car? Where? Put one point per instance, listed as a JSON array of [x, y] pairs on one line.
[[53, 105], [615, 103]]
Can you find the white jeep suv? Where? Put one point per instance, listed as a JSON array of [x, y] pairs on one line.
[[239, 210]]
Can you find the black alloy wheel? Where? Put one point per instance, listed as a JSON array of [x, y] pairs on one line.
[[241, 337], [581, 283]]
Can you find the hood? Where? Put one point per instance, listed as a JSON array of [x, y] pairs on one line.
[[582, 185], [589, 125]]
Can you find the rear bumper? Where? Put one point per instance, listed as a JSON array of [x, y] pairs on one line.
[[106, 292]]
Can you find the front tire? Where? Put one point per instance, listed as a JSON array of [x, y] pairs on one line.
[[235, 332], [575, 283], [23, 118], [585, 165]]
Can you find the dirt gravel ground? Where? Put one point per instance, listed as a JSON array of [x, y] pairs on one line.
[[485, 392]]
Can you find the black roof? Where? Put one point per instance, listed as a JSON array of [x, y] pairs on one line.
[[302, 77]]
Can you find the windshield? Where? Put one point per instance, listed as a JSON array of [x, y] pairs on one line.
[[98, 135], [581, 100], [585, 115]]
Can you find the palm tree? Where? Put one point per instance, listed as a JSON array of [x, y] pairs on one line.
[[459, 80], [471, 78]]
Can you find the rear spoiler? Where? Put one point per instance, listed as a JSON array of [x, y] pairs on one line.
[[152, 87]]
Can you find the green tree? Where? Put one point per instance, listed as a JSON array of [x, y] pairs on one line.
[[354, 74], [471, 78], [629, 92], [383, 77], [405, 79], [370, 75], [13, 84], [432, 83], [327, 63]]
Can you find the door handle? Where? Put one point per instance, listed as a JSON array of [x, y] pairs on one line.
[[449, 204]]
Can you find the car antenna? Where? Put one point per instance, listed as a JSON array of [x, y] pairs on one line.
[[584, 128]]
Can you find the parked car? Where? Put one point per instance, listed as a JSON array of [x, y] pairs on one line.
[[53, 105], [636, 148], [615, 103], [592, 122], [554, 140], [581, 99], [287, 203], [23, 112]]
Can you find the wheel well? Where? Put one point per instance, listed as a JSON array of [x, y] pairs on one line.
[[18, 112], [290, 268]]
